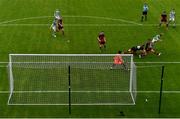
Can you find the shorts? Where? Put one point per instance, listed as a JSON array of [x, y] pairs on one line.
[[149, 49], [163, 20], [144, 12], [102, 42], [172, 19]]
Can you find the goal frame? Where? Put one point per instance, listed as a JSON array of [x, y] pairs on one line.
[[11, 88]]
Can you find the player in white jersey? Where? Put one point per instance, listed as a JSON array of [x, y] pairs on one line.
[[156, 38], [172, 15], [57, 14], [54, 28]]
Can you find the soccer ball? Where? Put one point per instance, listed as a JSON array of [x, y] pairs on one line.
[[146, 100]]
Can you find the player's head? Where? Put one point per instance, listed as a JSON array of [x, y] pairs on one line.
[[119, 52], [101, 33]]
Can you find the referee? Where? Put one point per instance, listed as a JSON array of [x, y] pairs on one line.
[[144, 12]]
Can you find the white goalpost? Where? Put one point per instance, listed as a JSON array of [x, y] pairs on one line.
[[79, 79]]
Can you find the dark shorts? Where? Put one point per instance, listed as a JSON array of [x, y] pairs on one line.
[[144, 12], [163, 20], [60, 27], [149, 49], [102, 42]]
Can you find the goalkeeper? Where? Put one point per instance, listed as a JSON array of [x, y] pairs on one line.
[[118, 61]]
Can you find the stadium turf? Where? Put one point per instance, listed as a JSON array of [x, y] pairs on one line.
[[24, 28]]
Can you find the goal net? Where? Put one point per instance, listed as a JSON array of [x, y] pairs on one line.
[[79, 79]]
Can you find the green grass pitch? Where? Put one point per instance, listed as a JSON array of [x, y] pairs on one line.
[[24, 28]]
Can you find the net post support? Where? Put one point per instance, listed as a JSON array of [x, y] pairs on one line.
[[69, 80], [161, 89]]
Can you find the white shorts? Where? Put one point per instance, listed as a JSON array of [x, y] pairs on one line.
[[172, 19]]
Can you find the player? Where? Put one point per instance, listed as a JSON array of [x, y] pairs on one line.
[[144, 12], [134, 50], [60, 26], [102, 40], [149, 48], [53, 27], [172, 15], [57, 14], [118, 61], [140, 49], [164, 19], [157, 38]]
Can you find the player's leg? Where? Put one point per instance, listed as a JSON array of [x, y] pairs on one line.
[[160, 24], [155, 52], [142, 17], [174, 22], [146, 16], [54, 31], [62, 31]]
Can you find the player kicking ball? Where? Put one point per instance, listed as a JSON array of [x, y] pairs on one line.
[[163, 19], [101, 40], [118, 61], [172, 15]]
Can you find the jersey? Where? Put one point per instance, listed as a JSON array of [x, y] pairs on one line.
[[163, 17], [172, 15], [118, 59], [149, 46], [156, 38], [60, 24], [145, 8], [53, 26], [101, 38]]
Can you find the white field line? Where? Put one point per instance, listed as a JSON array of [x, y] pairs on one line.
[[5, 92], [79, 25], [157, 62], [134, 62], [71, 16]]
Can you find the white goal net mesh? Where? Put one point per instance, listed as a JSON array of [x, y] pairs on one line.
[[45, 79]]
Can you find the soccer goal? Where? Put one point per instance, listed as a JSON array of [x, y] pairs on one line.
[[79, 79]]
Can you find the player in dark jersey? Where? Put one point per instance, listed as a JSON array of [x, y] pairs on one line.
[[60, 26], [137, 50], [149, 48], [101, 40], [163, 19]]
